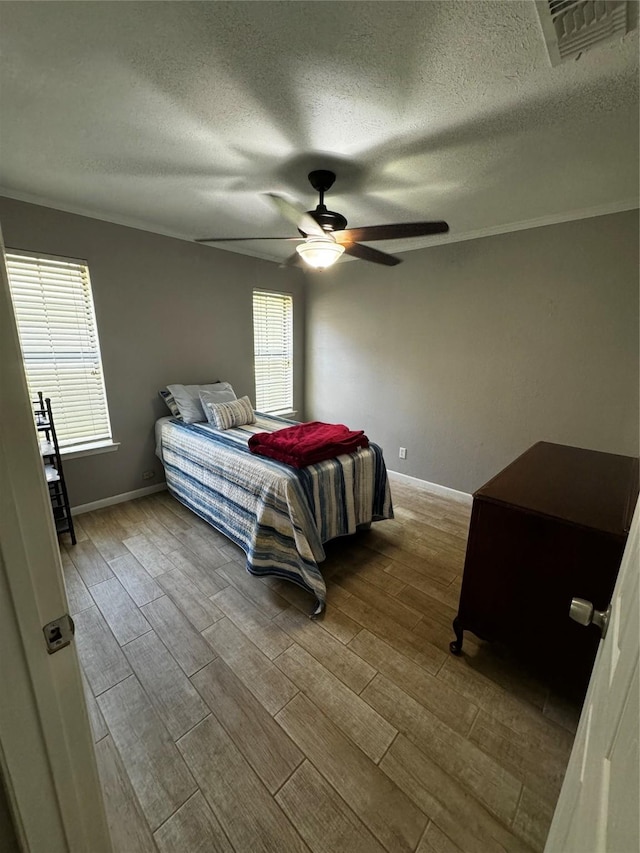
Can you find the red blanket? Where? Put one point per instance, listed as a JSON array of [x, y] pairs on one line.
[[305, 444]]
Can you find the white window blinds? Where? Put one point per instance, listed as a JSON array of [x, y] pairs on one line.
[[273, 351], [59, 338]]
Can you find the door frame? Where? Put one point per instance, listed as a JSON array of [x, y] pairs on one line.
[[47, 758]]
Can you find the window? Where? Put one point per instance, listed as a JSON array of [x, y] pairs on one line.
[[273, 351], [59, 338]]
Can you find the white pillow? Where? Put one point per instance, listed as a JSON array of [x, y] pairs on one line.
[[231, 414], [187, 399]]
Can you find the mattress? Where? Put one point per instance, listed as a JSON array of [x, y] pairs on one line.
[[280, 516]]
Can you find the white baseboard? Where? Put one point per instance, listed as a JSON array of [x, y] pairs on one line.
[[118, 499], [437, 489]]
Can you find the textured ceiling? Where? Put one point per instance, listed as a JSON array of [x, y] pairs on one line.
[[177, 116]]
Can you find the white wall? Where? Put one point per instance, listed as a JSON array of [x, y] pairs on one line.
[[167, 311], [468, 353], [465, 354]]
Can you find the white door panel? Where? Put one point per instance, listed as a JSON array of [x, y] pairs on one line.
[[47, 762], [624, 793], [598, 809]]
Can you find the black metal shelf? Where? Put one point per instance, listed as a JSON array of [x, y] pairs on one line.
[[50, 452]]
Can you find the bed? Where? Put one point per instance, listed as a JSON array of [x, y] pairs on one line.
[[279, 515]]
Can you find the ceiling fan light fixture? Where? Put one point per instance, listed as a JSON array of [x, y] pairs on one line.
[[325, 232], [319, 252]]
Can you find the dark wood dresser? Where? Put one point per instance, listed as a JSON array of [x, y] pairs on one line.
[[549, 527]]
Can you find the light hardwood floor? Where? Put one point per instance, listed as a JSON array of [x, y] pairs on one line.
[[227, 720]]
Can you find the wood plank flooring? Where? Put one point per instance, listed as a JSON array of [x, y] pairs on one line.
[[227, 720]]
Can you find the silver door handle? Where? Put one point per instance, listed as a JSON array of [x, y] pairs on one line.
[[582, 611]]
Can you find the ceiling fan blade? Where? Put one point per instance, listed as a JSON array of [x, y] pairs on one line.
[[391, 232], [239, 239], [366, 253], [296, 213]]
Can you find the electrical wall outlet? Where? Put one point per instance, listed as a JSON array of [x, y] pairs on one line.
[[403, 453], [148, 475]]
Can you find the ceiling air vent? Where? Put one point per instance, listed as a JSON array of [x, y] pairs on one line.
[[572, 26]]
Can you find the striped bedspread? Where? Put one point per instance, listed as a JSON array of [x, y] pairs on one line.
[[280, 516]]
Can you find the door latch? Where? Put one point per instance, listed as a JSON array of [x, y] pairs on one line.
[[59, 633]]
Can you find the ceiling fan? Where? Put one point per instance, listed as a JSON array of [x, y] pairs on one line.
[[325, 235]]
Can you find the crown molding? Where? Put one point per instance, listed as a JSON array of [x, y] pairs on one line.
[[490, 231], [124, 221], [79, 210], [539, 222]]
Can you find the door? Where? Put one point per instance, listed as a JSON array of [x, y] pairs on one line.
[[47, 762], [598, 810]]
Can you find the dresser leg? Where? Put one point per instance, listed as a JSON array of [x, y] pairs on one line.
[[455, 647]]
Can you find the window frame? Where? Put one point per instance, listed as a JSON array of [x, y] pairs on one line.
[[86, 445], [287, 408]]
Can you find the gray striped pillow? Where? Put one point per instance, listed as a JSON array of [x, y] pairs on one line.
[[169, 399], [226, 415]]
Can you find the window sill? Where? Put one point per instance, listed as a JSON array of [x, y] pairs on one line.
[[89, 449], [287, 413]]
